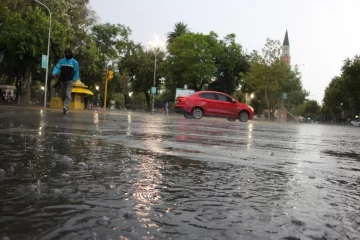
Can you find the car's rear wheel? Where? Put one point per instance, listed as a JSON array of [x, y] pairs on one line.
[[197, 113], [187, 115], [243, 116], [231, 119]]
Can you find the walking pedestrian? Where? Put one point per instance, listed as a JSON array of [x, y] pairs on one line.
[[167, 107], [68, 70]]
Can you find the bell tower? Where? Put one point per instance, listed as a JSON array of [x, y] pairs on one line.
[[285, 50]]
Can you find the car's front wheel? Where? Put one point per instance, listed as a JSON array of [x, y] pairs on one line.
[[244, 116], [197, 113]]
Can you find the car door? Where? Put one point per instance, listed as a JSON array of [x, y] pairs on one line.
[[209, 103], [226, 106]]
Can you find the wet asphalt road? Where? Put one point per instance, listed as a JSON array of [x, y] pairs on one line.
[[136, 176]]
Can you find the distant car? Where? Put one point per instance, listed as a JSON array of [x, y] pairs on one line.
[[213, 104], [356, 122]]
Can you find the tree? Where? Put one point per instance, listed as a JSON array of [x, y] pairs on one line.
[[179, 29], [351, 87], [90, 62], [119, 100], [139, 65], [342, 94], [77, 16], [311, 109], [334, 93], [230, 64], [269, 77], [189, 62], [22, 48], [24, 30], [110, 39]]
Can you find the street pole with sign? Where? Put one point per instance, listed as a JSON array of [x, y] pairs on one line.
[[47, 57], [284, 97], [157, 45]]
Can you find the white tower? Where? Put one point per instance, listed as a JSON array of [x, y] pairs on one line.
[[285, 50]]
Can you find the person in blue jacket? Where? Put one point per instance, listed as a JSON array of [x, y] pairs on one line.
[[68, 71]]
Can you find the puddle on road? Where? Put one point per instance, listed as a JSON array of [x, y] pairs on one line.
[[351, 155]]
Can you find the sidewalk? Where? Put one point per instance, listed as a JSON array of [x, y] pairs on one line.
[[88, 111]]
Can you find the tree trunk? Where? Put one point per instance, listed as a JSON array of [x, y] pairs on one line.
[[26, 80], [18, 89], [147, 96]]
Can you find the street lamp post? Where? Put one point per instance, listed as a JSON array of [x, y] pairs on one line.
[[156, 45], [153, 100], [48, 53]]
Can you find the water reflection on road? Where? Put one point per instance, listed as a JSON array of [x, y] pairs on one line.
[[135, 176]]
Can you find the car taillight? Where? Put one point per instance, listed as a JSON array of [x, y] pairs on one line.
[[182, 99]]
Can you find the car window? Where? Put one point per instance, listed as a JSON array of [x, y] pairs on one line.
[[208, 96], [224, 98]]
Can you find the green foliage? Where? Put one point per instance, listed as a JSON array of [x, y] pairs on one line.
[[343, 92], [311, 106], [89, 59], [139, 65], [167, 96], [312, 110], [335, 94], [204, 62], [139, 101], [269, 77], [239, 95], [190, 61], [110, 39], [179, 29], [230, 63], [119, 100]]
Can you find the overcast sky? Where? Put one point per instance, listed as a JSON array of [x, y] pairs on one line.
[[322, 33]]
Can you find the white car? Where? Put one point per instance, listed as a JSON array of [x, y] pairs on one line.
[[356, 122]]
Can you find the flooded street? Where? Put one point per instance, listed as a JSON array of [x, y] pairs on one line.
[[136, 176]]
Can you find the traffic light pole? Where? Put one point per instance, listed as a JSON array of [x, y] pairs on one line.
[[108, 76], [105, 73], [105, 94]]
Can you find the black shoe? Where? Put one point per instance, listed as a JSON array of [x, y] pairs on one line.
[[65, 110]]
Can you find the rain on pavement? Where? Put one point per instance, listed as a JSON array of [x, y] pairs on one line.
[[139, 176]]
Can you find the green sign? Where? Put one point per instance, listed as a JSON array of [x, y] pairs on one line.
[[153, 90], [44, 61]]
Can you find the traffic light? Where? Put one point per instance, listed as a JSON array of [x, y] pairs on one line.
[[110, 75]]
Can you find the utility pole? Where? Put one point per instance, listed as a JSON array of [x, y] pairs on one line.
[[154, 84], [48, 52], [266, 88]]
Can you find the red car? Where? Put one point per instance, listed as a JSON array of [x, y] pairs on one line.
[[214, 104]]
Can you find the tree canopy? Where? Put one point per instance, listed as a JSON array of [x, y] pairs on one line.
[[269, 77], [342, 95]]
